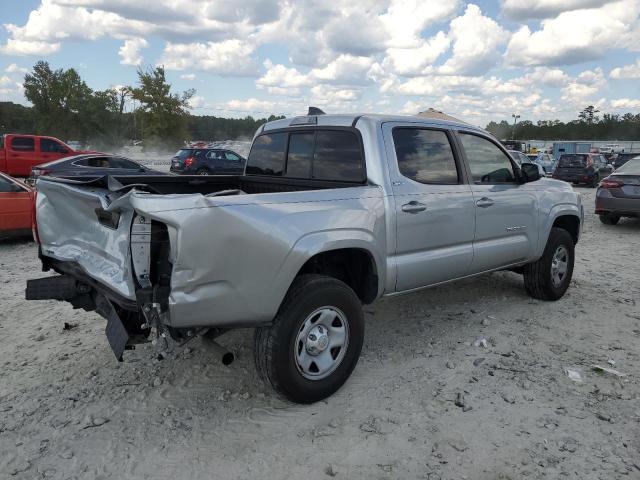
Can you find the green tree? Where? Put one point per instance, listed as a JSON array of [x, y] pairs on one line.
[[57, 97], [588, 115], [162, 115]]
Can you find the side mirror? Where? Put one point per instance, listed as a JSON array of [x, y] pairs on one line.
[[530, 172]]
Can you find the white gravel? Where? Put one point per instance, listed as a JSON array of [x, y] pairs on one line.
[[69, 410]]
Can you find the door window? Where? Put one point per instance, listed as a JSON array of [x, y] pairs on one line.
[[425, 156], [231, 156], [117, 162], [488, 163], [51, 146], [22, 144]]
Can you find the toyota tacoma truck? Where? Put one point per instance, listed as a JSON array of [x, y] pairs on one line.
[[332, 212]]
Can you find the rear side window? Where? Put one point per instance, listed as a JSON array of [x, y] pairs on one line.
[[300, 154], [117, 162], [267, 155], [338, 156], [425, 156], [5, 185], [183, 153], [23, 144], [572, 161], [94, 162]]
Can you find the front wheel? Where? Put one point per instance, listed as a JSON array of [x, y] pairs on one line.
[[315, 340], [549, 277]]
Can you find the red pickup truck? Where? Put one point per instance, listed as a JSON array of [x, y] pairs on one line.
[[19, 153]]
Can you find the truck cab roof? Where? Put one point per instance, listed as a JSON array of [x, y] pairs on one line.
[[350, 120]]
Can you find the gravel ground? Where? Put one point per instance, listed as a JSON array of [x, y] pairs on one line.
[[429, 399]]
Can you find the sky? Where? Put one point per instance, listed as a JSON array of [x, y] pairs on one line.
[[480, 61]]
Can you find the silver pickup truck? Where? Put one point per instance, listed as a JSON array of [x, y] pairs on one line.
[[333, 212]]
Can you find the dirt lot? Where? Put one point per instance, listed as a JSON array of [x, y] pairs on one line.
[[69, 410]]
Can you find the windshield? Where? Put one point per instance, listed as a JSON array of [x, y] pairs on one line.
[[632, 167], [574, 160], [183, 153]]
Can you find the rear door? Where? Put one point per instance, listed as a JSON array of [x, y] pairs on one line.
[[233, 163], [506, 230], [21, 155], [15, 206], [435, 217]]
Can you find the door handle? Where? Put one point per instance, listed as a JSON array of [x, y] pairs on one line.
[[413, 207], [484, 202]]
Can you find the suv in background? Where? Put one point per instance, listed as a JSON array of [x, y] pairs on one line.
[[207, 161], [585, 168]]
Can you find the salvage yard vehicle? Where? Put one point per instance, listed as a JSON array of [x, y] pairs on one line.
[[333, 212], [618, 195], [16, 208], [88, 165], [207, 161], [20, 153], [582, 168]]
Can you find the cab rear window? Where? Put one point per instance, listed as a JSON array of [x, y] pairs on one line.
[[330, 155]]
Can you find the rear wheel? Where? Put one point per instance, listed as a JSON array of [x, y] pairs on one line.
[[202, 171], [609, 218], [315, 341], [549, 277]]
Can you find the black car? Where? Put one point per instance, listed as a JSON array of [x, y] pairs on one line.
[[619, 159], [586, 168], [89, 165], [207, 161]]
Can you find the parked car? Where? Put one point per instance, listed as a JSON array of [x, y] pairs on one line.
[[522, 159], [619, 159], [20, 153], [207, 161], [16, 207], [582, 168], [333, 212], [547, 162], [90, 165], [618, 195]]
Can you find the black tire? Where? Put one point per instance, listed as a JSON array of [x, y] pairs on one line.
[[537, 275], [274, 345], [609, 218], [202, 171]]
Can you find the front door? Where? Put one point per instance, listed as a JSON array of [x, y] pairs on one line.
[[21, 155], [435, 217], [15, 207], [506, 211]]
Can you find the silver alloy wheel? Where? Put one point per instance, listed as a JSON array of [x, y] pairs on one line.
[[321, 343], [559, 265], [203, 172]]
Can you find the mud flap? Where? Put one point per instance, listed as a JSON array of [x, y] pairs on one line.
[[117, 335]]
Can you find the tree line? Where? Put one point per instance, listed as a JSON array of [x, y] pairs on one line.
[[64, 106], [588, 126]]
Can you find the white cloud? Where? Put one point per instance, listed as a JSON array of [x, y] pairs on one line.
[[345, 70], [330, 95], [188, 76], [130, 51], [476, 39], [28, 47], [626, 103], [229, 57], [196, 102], [14, 68], [627, 71], [5, 81], [552, 77], [251, 105], [406, 19], [281, 76], [417, 60], [530, 9], [574, 36]]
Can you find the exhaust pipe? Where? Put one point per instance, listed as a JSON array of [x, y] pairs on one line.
[[219, 352]]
